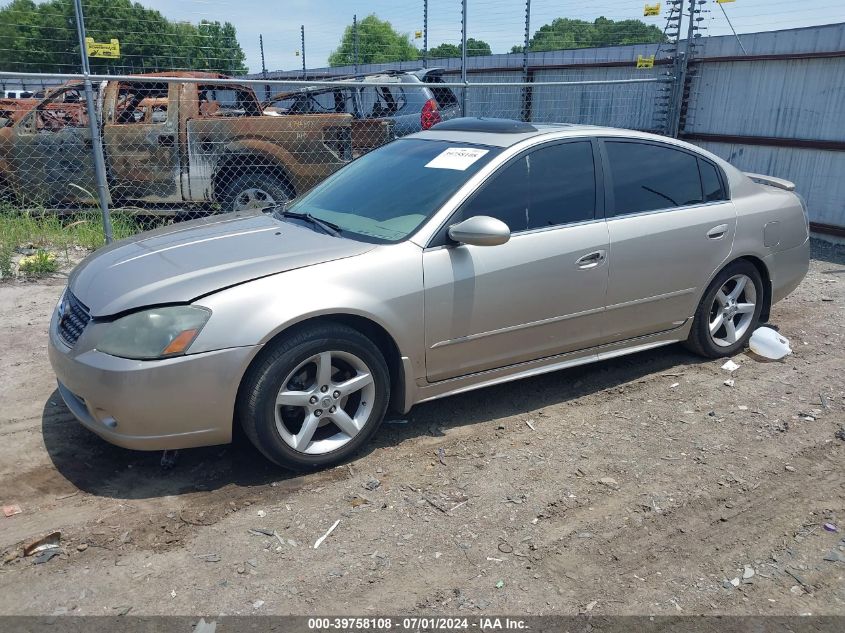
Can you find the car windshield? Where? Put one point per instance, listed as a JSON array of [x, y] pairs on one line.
[[387, 194]]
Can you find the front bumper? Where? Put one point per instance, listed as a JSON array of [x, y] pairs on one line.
[[179, 402]]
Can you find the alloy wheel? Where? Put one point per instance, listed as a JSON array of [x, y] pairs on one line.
[[732, 312], [325, 402], [253, 198]]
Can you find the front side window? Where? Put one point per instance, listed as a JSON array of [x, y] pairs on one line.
[[227, 101], [387, 194], [651, 177], [140, 103], [549, 186]]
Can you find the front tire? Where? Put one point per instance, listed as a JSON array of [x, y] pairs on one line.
[[729, 311], [315, 398], [255, 189]]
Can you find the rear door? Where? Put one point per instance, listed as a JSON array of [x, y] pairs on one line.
[[141, 141], [671, 227], [537, 295]]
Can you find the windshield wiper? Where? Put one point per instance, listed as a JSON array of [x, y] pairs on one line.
[[329, 227]]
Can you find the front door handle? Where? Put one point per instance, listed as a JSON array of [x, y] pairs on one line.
[[717, 232], [591, 260]]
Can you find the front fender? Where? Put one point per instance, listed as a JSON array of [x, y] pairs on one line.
[[384, 285]]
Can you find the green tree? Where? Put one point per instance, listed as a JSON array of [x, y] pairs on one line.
[[444, 50], [564, 33], [42, 38], [378, 42], [474, 47]]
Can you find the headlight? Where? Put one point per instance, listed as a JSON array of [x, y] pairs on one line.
[[156, 333]]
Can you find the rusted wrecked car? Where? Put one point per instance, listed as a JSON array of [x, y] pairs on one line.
[[173, 144]]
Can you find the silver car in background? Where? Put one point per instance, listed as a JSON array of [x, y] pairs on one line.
[[478, 252]]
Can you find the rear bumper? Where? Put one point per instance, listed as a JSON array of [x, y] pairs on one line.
[[787, 269], [152, 405]]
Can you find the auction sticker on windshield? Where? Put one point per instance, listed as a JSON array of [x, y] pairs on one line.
[[458, 158]]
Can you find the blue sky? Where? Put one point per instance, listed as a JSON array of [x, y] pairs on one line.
[[499, 22]]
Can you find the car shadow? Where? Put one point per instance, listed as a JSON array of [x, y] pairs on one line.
[[99, 468]]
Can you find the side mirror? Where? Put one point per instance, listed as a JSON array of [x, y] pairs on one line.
[[480, 230]]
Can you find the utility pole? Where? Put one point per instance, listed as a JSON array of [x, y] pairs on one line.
[[681, 67], [464, 56], [263, 67], [302, 38], [526, 90], [94, 126], [425, 33], [355, 41]]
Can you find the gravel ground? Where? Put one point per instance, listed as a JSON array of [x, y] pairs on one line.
[[641, 485]]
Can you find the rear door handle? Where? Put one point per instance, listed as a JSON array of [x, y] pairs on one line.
[[717, 232], [591, 260]]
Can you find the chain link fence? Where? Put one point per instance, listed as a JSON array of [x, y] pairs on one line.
[[173, 127], [187, 144]]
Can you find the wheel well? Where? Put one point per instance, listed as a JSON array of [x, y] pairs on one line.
[[373, 331], [234, 165], [767, 285]]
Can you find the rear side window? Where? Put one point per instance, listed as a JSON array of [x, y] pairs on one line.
[[710, 182], [550, 186], [650, 177], [443, 95], [381, 101]]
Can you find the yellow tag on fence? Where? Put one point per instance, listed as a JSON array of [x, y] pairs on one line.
[[417, 34], [652, 9], [645, 62], [724, 1], [107, 50]]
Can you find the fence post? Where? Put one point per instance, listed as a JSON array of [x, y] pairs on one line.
[[526, 90], [464, 56], [355, 41], [263, 68], [302, 43], [425, 33], [94, 126]]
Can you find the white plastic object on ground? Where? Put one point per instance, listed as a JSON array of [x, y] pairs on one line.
[[769, 344]]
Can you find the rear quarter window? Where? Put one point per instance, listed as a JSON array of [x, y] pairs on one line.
[[711, 183]]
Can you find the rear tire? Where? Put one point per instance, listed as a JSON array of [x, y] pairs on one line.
[[255, 189], [305, 413], [729, 311]]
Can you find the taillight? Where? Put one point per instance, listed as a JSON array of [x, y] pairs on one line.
[[430, 114]]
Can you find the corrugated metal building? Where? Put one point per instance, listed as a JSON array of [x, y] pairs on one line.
[[776, 108]]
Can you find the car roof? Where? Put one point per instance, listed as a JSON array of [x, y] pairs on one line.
[[507, 132]]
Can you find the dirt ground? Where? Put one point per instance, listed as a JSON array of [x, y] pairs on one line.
[[641, 485]]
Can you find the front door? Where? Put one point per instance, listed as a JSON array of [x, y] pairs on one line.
[[671, 228], [52, 153], [141, 141], [537, 295]]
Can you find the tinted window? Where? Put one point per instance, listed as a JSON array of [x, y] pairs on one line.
[[710, 182], [562, 185], [504, 197], [648, 177], [549, 186]]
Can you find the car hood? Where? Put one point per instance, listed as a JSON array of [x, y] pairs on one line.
[[179, 263]]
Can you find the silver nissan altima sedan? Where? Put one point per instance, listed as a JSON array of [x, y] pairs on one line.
[[475, 253]]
